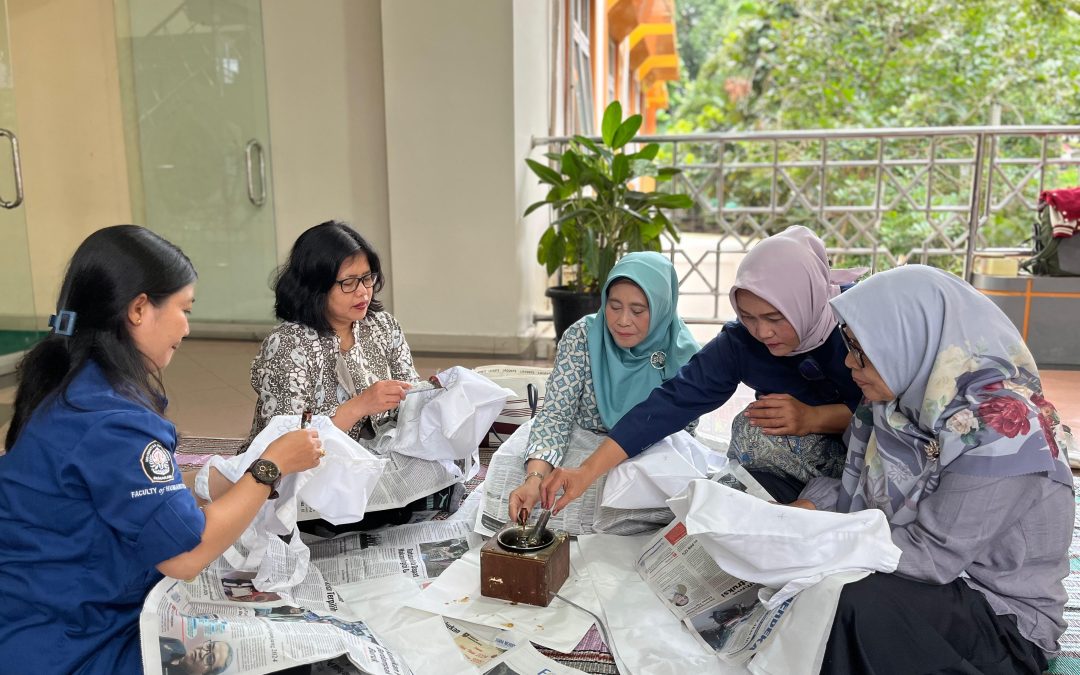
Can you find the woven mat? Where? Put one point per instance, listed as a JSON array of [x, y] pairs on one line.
[[1068, 659], [590, 656]]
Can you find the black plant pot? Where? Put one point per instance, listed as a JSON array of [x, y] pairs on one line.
[[568, 306]]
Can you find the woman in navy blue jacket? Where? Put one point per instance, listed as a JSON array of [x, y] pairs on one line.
[[785, 345], [93, 510]]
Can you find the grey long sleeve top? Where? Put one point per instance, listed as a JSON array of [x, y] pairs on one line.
[[1007, 537]]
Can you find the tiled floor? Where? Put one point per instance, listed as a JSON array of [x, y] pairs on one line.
[[210, 393]]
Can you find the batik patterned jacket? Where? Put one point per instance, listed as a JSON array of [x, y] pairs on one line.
[[297, 368]]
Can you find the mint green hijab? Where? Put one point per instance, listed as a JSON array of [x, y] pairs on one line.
[[625, 377]]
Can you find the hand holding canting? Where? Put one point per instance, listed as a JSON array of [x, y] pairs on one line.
[[296, 451]]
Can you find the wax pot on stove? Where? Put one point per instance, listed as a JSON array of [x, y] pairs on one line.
[[525, 564]]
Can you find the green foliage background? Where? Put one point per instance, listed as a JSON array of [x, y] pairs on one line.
[[875, 63], [752, 65]]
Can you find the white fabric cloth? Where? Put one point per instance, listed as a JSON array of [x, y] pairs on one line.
[[783, 547], [338, 488], [648, 480], [645, 638], [447, 423], [559, 626], [798, 648]]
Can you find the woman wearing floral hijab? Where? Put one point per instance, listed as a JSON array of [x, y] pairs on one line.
[[960, 449], [786, 346]]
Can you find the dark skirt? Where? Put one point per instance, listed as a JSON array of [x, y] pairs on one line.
[[888, 624]]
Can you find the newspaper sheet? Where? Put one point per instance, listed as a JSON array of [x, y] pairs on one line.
[[481, 644], [722, 612], [404, 480], [419, 551], [222, 617], [582, 516], [407, 479]]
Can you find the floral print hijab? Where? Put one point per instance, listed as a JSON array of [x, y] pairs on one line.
[[968, 393]]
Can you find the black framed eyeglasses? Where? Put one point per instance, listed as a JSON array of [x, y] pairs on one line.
[[350, 284], [853, 346]]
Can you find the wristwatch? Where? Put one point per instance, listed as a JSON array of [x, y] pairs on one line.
[[267, 473]]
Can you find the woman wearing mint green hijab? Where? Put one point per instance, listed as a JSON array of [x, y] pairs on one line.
[[608, 362]]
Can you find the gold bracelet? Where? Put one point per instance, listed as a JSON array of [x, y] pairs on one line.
[[539, 475]]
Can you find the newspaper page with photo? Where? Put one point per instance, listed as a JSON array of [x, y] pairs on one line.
[[222, 620], [420, 551], [481, 644], [722, 612], [582, 516]]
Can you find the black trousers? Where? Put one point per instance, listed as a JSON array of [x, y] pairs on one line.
[[888, 624], [783, 488], [376, 519]]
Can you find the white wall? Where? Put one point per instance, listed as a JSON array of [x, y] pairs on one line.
[[324, 81], [533, 113], [453, 79]]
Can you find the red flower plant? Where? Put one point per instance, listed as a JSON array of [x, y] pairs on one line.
[[1006, 415]]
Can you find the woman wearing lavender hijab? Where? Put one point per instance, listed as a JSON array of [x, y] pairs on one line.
[[958, 446], [786, 346]]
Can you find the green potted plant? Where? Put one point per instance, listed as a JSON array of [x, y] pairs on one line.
[[598, 214]]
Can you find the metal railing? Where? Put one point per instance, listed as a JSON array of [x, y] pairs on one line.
[[880, 197]]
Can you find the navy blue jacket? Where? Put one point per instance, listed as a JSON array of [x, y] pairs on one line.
[[90, 501], [707, 381]]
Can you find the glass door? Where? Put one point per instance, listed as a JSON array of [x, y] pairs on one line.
[[19, 328], [196, 97]]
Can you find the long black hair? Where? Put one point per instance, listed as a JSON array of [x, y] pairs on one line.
[[310, 273], [112, 267]]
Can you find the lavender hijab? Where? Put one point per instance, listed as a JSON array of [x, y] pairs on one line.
[[790, 271], [969, 398]]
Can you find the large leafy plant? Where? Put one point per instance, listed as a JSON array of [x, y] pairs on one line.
[[599, 215]]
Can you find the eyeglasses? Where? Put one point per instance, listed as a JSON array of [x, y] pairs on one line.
[[853, 346], [205, 653], [350, 284]]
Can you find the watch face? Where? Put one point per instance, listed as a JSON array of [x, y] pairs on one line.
[[265, 471]]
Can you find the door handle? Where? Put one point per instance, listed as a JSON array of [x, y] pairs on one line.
[[252, 148], [16, 165]]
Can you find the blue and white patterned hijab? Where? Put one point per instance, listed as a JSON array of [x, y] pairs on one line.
[[968, 393]]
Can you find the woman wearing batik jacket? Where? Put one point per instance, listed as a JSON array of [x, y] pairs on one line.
[[959, 447], [337, 351]]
